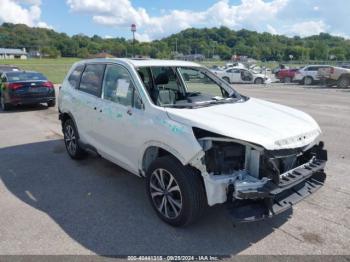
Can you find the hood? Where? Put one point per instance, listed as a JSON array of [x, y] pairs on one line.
[[256, 121]]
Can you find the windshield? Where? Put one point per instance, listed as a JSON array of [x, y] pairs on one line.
[[186, 87], [25, 76]]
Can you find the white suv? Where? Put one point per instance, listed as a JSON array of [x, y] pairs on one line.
[[308, 75], [195, 140]]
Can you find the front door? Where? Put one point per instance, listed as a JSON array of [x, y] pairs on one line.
[[120, 119]]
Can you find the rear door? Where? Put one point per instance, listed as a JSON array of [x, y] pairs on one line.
[[87, 99], [313, 72], [235, 75]]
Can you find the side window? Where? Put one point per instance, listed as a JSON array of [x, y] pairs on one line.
[[196, 82], [118, 87], [91, 80], [75, 76], [165, 78], [312, 68], [146, 77]]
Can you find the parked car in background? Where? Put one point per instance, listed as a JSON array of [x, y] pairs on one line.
[[25, 87], [8, 68], [235, 65], [279, 68], [195, 140], [308, 75], [338, 76], [240, 75], [286, 75]]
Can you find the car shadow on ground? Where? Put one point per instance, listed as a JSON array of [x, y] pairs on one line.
[[24, 108], [105, 209]]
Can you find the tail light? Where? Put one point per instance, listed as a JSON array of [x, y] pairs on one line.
[[14, 86], [47, 84]]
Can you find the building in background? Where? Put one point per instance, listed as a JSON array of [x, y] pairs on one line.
[[8, 53]]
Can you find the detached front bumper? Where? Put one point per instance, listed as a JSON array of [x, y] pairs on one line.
[[272, 199]]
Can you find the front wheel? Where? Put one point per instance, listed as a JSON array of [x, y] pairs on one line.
[[259, 81], [176, 192], [308, 81], [343, 82]]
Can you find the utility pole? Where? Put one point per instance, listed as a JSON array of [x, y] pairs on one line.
[[133, 30]]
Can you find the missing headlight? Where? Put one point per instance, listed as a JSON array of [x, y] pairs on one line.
[[225, 158]]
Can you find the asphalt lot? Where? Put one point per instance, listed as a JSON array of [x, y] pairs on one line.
[[50, 204]]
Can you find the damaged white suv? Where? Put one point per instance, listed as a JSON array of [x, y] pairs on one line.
[[195, 139]]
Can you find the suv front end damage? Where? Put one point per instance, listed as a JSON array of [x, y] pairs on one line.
[[257, 183]]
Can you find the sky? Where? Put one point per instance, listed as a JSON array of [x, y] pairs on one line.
[[156, 19]]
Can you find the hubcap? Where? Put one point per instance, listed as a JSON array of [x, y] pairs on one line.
[[166, 193], [70, 140], [308, 81], [343, 83]]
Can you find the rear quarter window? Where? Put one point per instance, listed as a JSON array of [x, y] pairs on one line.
[[91, 79], [74, 78]]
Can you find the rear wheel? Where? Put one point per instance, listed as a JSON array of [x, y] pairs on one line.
[[4, 106], [287, 80], [71, 140], [51, 103], [343, 82], [226, 79], [308, 81], [176, 192]]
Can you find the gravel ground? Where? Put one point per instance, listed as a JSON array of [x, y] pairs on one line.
[[51, 204]]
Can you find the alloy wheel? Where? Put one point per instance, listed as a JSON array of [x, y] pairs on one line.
[[165, 193], [70, 140], [308, 81]]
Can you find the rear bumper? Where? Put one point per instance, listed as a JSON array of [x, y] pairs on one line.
[[29, 100], [271, 200]]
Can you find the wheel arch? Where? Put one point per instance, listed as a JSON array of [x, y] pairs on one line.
[[153, 150], [257, 79], [347, 75], [66, 116]]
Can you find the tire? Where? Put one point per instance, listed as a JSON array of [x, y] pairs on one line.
[[4, 106], [287, 80], [308, 81], [343, 82], [259, 81], [186, 202], [51, 103], [71, 140], [226, 79]]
